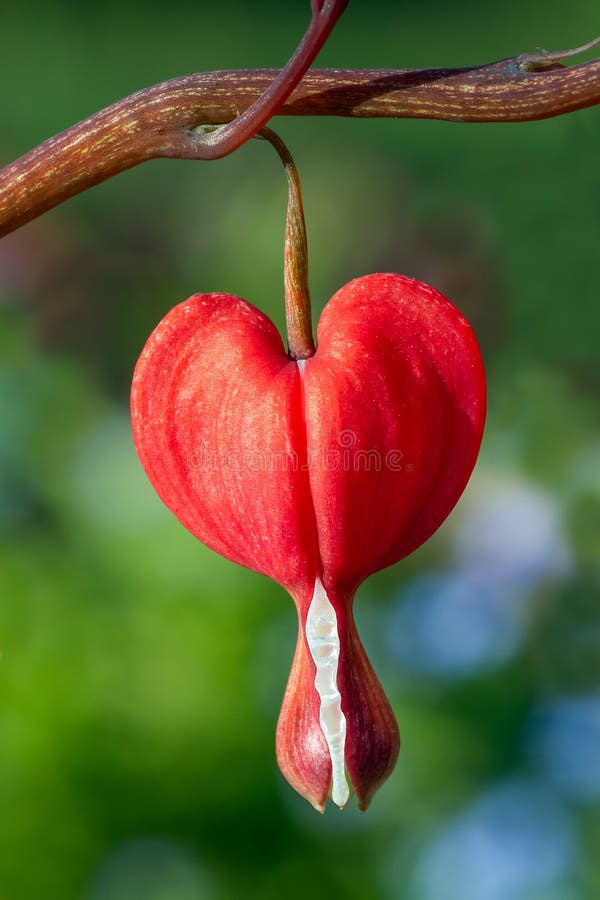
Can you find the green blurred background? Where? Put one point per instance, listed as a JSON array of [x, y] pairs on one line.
[[141, 675]]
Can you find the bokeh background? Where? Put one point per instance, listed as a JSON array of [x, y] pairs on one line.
[[141, 675]]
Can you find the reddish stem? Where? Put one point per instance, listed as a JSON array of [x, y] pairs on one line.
[[225, 140]]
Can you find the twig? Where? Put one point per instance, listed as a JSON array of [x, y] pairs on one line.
[[159, 121]]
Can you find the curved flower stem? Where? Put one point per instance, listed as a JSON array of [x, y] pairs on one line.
[[219, 143], [297, 297], [301, 344], [159, 121]]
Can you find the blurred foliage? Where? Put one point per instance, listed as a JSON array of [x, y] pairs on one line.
[[141, 674]]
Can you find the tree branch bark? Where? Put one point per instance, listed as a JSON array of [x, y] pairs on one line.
[[159, 121]]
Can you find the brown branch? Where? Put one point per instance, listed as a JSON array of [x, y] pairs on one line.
[[159, 121]]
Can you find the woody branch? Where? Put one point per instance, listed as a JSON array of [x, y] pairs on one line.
[[160, 121]]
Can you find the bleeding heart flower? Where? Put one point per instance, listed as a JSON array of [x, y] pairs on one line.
[[317, 473]]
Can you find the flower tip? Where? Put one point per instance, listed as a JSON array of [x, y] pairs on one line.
[[364, 800], [337, 735], [340, 794]]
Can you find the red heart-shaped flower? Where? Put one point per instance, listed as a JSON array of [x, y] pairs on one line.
[[316, 473]]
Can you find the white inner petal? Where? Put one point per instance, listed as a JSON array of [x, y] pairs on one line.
[[324, 644]]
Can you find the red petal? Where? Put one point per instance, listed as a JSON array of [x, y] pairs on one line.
[[218, 426], [302, 751], [395, 407], [372, 737]]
